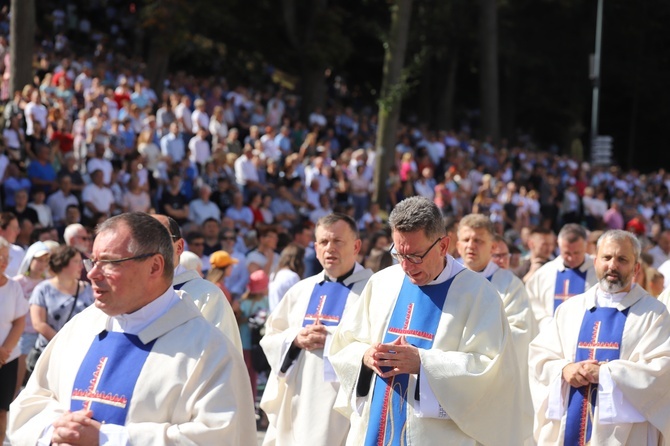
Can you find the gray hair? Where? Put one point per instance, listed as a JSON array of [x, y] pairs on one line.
[[618, 235], [416, 214], [572, 232], [4, 244], [71, 232], [148, 235]]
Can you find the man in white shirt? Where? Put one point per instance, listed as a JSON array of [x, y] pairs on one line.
[[661, 252], [97, 198], [9, 230], [600, 370], [61, 199], [202, 208], [199, 117], [35, 111], [109, 376], [99, 162], [183, 114], [199, 148], [172, 145]]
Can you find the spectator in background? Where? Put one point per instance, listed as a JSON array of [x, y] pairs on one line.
[[252, 305], [173, 202], [135, 198], [57, 300], [239, 276], [12, 321], [378, 259], [173, 146], [33, 270], [59, 201], [500, 254], [9, 230], [264, 256], [541, 244], [203, 208], [21, 209], [290, 270], [40, 171], [98, 199], [221, 266], [14, 181]]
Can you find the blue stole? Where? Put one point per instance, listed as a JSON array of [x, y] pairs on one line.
[[326, 304], [416, 315], [569, 282], [600, 339], [106, 378]]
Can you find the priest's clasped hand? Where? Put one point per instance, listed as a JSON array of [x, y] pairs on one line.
[[311, 337], [76, 428], [399, 355], [579, 374]]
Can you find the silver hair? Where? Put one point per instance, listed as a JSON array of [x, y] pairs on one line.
[[416, 214], [71, 232], [619, 235]]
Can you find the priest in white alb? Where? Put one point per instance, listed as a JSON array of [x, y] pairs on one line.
[[475, 245], [428, 357], [569, 274], [208, 297], [141, 366], [302, 387], [600, 370]]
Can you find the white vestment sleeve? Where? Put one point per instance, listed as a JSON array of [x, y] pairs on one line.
[[291, 334], [328, 370], [45, 439], [556, 401], [428, 406], [113, 435], [613, 406]]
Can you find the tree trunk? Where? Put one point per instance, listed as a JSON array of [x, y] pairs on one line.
[[445, 111], [390, 98], [22, 36], [488, 75], [157, 64], [313, 90]]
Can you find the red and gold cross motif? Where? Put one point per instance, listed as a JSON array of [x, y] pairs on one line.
[[406, 331], [93, 395], [319, 316], [594, 344], [566, 291]]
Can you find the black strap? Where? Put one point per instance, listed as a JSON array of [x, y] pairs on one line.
[[74, 304]]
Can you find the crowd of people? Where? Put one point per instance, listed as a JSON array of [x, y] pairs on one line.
[[274, 238]]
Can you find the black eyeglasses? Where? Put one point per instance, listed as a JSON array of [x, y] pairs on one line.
[[412, 258], [105, 264]]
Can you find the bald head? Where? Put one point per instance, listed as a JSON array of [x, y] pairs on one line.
[[175, 234]]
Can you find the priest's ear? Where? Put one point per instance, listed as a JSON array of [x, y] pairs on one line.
[[444, 245], [357, 246], [157, 266]]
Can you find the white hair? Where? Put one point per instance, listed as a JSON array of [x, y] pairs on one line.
[[71, 232], [190, 261]]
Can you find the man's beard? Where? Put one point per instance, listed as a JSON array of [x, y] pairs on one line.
[[612, 287]]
